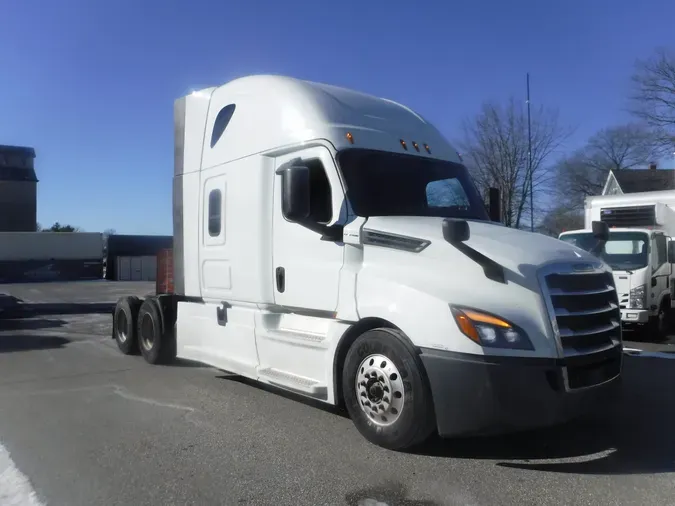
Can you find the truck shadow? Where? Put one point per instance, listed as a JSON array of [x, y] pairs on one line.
[[13, 343], [32, 324], [27, 309], [636, 437]]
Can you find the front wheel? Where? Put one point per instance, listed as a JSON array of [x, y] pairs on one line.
[[661, 323], [386, 392]]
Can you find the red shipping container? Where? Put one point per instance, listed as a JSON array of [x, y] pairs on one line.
[[164, 282]]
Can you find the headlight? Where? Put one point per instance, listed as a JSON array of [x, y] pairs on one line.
[[489, 330], [638, 297]]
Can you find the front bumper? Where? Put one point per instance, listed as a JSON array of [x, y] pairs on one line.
[[475, 394], [634, 315]]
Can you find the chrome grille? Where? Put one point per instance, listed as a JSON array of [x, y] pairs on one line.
[[584, 308]]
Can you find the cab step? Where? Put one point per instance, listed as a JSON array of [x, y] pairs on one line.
[[290, 381]]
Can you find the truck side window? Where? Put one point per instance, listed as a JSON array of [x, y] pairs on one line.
[[320, 198], [215, 208], [221, 122], [661, 250], [446, 193]]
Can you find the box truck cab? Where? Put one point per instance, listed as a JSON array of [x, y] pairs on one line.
[[640, 252], [333, 244]]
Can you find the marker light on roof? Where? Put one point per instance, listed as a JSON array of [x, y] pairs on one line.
[[350, 138], [405, 146], [416, 146], [426, 146]]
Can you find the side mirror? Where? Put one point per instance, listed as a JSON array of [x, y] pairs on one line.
[[671, 252], [495, 200], [600, 231], [295, 192], [456, 231]]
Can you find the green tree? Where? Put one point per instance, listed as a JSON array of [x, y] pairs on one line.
[[57, 227]]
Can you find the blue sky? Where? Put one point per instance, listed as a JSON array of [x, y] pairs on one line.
[[91, 83]]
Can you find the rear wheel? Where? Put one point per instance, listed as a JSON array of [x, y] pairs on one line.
[[155, 340], [386, 391], [125, 317]]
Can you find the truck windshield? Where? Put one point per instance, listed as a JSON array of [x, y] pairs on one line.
[[623, 251], [390, 184]]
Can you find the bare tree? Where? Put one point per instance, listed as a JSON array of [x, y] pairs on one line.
[[495, 145], [622, 147], [653, 97], [577, 178], [559, 219]]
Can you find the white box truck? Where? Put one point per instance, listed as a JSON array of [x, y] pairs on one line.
[[332, 244], [640, 252]]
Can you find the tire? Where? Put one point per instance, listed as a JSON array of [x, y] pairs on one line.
[[156, 344], [125, 318], [402, 421], [660, 325]]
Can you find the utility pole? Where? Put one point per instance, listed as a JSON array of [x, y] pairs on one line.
[[529, 155]]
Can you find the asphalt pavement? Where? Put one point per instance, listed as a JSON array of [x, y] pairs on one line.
[[81, 424]]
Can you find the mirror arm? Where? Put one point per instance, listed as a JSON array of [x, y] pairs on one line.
[[598, 246], [332, 233]]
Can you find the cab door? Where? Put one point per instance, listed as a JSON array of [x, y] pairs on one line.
[[661, 271], [306, 268]]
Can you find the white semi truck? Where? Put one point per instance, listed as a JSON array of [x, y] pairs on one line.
[[332, 244], [640, 252]]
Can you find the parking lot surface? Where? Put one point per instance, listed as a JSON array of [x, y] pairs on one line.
[[81, 424]]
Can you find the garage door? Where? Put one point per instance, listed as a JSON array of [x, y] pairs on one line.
[[137, 268]]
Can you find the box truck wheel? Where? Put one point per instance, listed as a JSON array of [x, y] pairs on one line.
[[386, 393], [125, 317], [661, 323], [155, 342]]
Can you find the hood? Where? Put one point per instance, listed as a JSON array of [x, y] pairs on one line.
[[511, 248]]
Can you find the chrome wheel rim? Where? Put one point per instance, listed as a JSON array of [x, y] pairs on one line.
[[379, 390], [147, 332], [122, 324]]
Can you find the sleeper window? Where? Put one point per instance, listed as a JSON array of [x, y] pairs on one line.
[[215, 212]]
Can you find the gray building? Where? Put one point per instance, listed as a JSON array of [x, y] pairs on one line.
[[18, 189]]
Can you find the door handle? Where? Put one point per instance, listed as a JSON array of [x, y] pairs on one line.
[[221, 313], [281, 279]]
